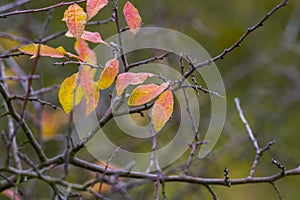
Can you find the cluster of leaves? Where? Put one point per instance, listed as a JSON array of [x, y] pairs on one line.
[[81, 85]]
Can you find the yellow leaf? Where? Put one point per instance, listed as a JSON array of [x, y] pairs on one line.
[[162, 110], [45, 50], [77, 86], [109, 74], [145, 93], [75, 19], [66, 93]]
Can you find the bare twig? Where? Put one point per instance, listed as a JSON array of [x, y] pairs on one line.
[[148, 60], [43, 102], [195, 142], [237, 43], [17, 12], [15, 38], [213, 194], [116, 17], [277, 190], [13, 5], [77, 63]]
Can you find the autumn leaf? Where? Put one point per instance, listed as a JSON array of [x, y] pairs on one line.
[[66, 93], [109, 74], [45, 50], [84, 52], [145, 93], [77, 86], [94, 37], [132, 17], [91, 93], [93, 7], [130, 78], [75, 19], [162, 110]]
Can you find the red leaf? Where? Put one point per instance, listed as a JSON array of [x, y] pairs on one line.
[[109, 74], [93, 7], [145, 93], [75, 19], [94, 37], [132, 17], [130, 78], [162, 110]]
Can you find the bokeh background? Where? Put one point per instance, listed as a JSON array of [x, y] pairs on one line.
[[264, 73]]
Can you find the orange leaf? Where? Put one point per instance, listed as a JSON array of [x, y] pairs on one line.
[[132, 17], [93, 7], [84, 52], [75, 19], [145, 93], [66, 93], [32, 49], [162, 110], [130, 78], [89, 87], [109, 74]]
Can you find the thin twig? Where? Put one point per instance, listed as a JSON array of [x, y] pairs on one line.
[[19, 12], [15, 38], [148, 60], [12, 5], [251, 136], [43, 102], [276, 190], [237, 43], [77, 63], [116, 17], [213, 194], [113, 155], [195, 142]]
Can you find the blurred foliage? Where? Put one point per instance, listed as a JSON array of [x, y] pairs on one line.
[[264, 73]]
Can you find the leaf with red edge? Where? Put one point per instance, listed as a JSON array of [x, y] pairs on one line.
[[84, 52], [94, 6], [109, 74], [89, 87], [44, 50], [132, 17], [94, 37], [130, 78], [145, 93], [75, 19], [162, 110]]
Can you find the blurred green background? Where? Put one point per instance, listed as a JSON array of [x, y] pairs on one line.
[[264, 73]]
